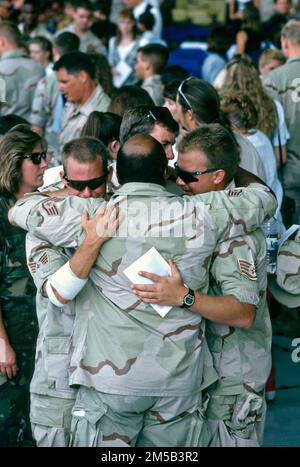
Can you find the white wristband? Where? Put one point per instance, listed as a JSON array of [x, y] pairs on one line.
[[51, 295], [67, 284]]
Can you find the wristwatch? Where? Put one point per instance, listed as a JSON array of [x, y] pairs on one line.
[[188, 299]]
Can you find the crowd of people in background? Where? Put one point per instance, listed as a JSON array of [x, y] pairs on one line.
[[91, 113]]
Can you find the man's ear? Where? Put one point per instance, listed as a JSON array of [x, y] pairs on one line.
[[148, 66], [113, 148], [83, 76], [2, 42], [218, 176]]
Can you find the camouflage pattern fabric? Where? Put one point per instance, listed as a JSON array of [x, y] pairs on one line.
[[167, 352], [74, 118], [17, 301], [242, 356], [20, 75], [111, 420], [282, 84], [51, 420], [288, 266]]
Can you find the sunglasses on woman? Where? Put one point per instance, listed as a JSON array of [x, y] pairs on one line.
[[92, 184], [36, 157]]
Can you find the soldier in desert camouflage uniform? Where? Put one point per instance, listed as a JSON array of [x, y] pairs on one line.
[[52, 399], [283, 85], [239, 331], [18, 322], [139, 374], [18, 74]]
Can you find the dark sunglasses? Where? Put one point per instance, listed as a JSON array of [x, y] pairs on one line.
[[189, 177], [92, 184], [36, 157]]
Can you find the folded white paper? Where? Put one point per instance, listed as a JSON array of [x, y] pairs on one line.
[[153, 262], [122, 72]]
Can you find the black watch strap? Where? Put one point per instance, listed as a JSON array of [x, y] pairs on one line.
[[188, 299]]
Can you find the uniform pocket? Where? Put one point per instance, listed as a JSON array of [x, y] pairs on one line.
[[85, 430], [58, 362]]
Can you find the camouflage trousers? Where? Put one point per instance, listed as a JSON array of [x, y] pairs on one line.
[[236, 420], [110, 420], [15, 402], [51, 420]]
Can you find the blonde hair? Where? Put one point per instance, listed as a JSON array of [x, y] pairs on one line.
[[242, 75], [271, 54], [239, 109]]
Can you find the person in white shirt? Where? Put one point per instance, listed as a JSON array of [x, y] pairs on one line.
[[122, 50]]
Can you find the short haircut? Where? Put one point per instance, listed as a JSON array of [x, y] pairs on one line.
[[15, 144], [142, 119], [11, 32], [218, 146], [82, 4], [44, 43], [66, 42], [141, 159], [103, 125], [157, 55], [127, 97], [271, 54], [291, 31], [85, 149], [239, 109], [75, 62]]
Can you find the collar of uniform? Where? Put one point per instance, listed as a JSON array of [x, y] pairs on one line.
[[13, 54], [230, 186], [293, 59], [88, 106], [143, 189]]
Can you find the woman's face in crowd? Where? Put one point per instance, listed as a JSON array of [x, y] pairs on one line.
[[32, 175]]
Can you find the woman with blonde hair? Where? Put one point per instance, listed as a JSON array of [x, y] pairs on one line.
[[241, 75]]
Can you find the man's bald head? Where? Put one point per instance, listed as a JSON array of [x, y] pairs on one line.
[[141, 159]]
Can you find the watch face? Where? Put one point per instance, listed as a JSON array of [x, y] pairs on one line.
[[189, 300]]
